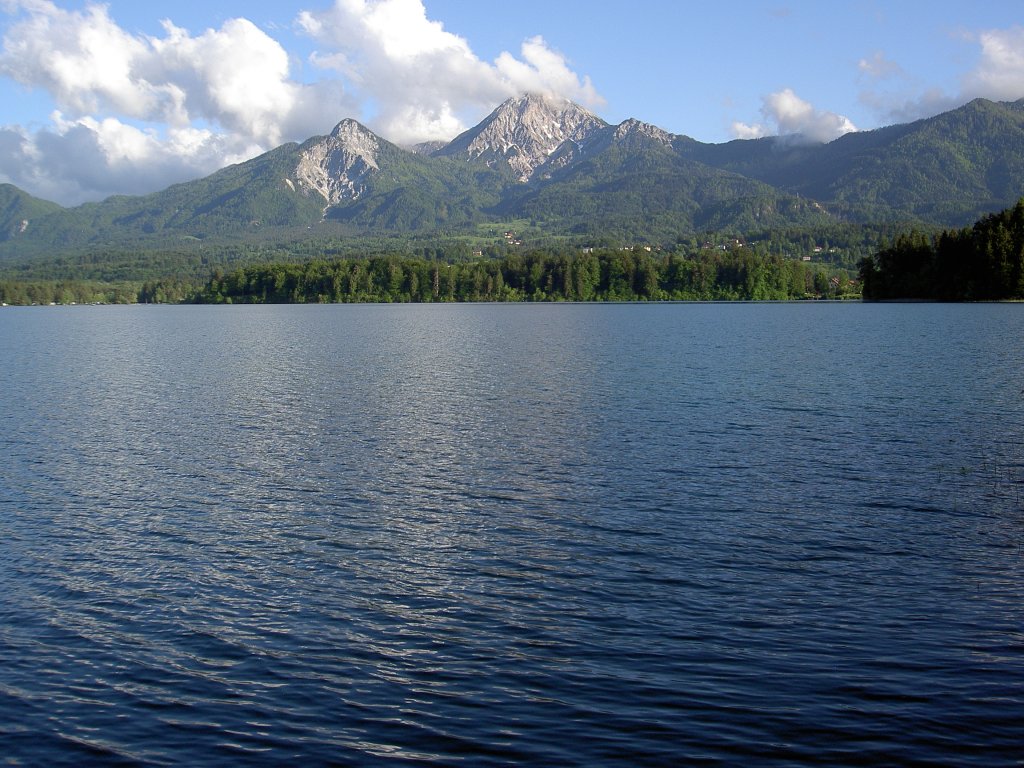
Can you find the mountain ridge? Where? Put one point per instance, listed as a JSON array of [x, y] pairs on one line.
[[557, 164], [523, 132]]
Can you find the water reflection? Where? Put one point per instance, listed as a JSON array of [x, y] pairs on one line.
[[521, 534]]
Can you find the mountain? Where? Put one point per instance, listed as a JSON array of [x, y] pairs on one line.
[[367, 182], [18, 210], [946, 170], [560, 167], [523, 133], [348, 182], [339, 166], [633, 172]]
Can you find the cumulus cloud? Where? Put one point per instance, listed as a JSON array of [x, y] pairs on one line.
[[788, 114], [88, 159], [544, 70], [236, 77], [425, 82], [135, 113], [999, 74], [750, 130]]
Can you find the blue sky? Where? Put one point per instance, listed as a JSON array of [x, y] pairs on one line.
[[127, 97]]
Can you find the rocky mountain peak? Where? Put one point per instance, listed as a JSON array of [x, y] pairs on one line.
[[634, 127], [349, 130], [524, 132], [336, 166], [356, 141]]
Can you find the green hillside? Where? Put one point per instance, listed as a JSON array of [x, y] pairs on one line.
[[945, 170], [18, 210], [620, 185]]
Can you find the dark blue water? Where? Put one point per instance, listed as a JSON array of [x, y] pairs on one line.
[[555, 535]]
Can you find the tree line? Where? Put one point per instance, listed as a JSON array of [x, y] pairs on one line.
[[984, 262], [553, 274], [28, 292], [606, 275]]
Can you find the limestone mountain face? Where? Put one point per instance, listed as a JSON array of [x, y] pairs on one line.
[[632, 127], [337, 166], [524, 132], [627, 135]]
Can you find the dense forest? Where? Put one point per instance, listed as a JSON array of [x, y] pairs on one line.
[[980, 263], [718, 272], [121, 274], [29, 292], [606, 275], [984, 262]]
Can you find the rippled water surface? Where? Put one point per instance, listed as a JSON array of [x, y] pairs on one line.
[[559, 535]]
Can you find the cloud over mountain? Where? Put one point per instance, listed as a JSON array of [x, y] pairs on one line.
[[998, 75], [158, 109], [137, 112], [786, 113], [426, 82], [894, 94], [109, 109]]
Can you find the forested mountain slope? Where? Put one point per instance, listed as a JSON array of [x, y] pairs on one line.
[[559, 167]]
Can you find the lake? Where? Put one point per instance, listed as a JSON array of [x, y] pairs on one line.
[[773, 534]]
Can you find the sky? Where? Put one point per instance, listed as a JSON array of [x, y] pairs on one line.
[[126, 97]]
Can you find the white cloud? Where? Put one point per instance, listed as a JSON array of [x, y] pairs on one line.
[[544, 70], [138, 112], [788, 114], [1000, 73], [750, 130], [84, 159], [236, 77], [148, 110], [83, 59], [423, 81]]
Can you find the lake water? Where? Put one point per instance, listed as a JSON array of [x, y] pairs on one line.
[[772, 534]]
